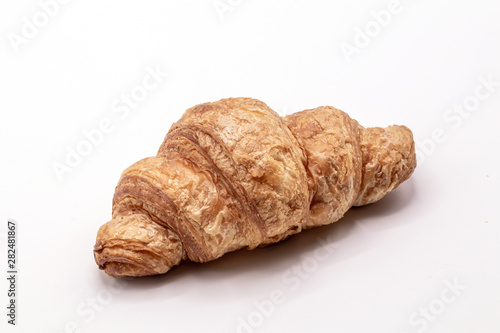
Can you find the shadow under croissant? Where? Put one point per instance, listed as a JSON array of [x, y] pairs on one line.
[[285, 254]]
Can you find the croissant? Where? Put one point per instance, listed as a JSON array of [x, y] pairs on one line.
[[233, 174]]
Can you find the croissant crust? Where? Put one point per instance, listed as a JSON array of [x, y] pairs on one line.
[[234, 174]]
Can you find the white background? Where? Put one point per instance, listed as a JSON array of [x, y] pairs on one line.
[[392, 261]]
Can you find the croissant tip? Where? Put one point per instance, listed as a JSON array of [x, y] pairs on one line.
[[127, 263], [122, 267]]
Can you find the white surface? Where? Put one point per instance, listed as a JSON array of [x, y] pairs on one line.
[[389, 261]]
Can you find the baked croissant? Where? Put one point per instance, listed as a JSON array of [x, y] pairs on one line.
[[234, 174]]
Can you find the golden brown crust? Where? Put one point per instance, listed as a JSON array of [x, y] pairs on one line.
[[331, 141], [388, 160], [134, 245], [233, 174]]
